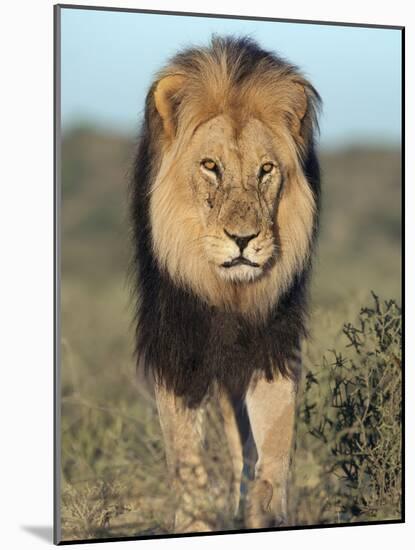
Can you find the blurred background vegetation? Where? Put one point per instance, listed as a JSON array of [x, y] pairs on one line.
[[347, 462]]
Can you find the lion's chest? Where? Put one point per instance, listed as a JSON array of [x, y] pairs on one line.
[[194, 348]]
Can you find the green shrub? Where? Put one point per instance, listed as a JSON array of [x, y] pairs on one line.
[[352, 407]]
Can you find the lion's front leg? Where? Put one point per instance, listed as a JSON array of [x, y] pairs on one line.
[[182, 432], [235, 448], [271, 409]]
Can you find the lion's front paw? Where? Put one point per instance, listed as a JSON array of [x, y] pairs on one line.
[[260, 510], [195, 526]]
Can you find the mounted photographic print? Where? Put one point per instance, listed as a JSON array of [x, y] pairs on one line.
[[228, 274]]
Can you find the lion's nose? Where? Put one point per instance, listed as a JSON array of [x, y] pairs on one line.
[[241, 240]]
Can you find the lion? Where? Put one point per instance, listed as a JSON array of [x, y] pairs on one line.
[[225, 207]]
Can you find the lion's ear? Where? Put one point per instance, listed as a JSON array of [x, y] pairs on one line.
[[166, 101], [305, 100]]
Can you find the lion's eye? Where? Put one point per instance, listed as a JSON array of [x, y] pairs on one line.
[[266, 168], [210, 165]]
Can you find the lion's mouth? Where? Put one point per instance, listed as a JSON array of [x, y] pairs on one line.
[[240, 260]]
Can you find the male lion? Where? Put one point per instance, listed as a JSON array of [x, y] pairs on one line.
[[225, 209]]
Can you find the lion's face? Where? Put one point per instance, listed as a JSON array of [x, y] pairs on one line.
[[231, 211], [235, 181]]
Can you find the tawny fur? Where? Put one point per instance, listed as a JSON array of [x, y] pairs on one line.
[[207, 326], [269, 105]]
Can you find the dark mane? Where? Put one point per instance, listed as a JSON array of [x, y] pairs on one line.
[[188, 345]]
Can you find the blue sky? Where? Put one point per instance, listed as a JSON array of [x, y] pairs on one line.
[[109, 60]]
